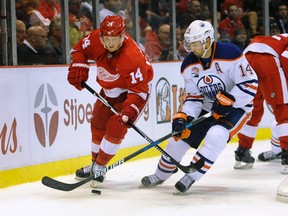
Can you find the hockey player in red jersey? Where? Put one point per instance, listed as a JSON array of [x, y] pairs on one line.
[[124, 73], [217, 78], [247, 135], [268, 56]]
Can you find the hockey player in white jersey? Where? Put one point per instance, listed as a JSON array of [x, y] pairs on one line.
[[217, 78]]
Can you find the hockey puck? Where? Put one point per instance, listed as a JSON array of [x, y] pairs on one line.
[[96, 192]]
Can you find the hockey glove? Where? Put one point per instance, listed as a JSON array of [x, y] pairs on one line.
[[78, 72], [223, 104], [129, 113], [180, 120], [131, 109]]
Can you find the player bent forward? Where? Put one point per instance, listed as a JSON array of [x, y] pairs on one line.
[[217, 77], [268, 56], [124, 73]]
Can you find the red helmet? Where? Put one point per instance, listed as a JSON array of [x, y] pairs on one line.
[[112, 26]]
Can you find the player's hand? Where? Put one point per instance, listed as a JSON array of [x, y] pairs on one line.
[[223, 104], [129, 113], [180, 120], [78, 73]]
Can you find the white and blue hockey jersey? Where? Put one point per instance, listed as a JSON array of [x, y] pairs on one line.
[[226, 69]]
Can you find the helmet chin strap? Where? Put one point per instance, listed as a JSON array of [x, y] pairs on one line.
[[205, 50]]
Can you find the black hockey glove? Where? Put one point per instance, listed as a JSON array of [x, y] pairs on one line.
[[180, 120], [223, 104]]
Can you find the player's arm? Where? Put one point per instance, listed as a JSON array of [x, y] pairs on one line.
[[246, 83], [79, 67], [223, 104], [138, 91]]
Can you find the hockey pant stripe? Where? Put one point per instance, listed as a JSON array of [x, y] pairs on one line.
[[207, 165], [165, 165]]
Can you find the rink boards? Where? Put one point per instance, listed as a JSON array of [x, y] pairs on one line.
[[44, 121]]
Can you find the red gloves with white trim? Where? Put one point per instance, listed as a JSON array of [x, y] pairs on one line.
[[78, 73], [131, 109], [223, 104]]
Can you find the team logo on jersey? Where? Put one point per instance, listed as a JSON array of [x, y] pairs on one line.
[[104, 75], [195, 72], [210, 85], [86, 42]]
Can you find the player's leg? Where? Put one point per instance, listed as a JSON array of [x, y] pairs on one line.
[[275, 152], [247, 135], [215, 141], [100, 117], [276, 95], [177, 149], [281, 115]]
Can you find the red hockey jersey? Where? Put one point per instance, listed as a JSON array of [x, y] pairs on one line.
[[125, 70]]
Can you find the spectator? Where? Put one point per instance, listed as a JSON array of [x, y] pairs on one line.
[[86, 8], [32, 51], [274, 29], [24, 8], [151, 18], [241, 39], [80, 25], [158, 44], [1, 44], [54, 41], [49, 8], [228, 26], [112, 8], [20, 32], [247, 13], [282, 18], [159, 10], [206, 13], [182, 5], [192, 13], [181, 52]]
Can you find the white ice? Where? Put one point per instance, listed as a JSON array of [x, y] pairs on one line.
[[222, 191]]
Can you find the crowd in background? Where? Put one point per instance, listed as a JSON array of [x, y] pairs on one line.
[[38, 24]]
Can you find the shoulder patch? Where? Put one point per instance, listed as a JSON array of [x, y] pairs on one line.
[[227, 51]]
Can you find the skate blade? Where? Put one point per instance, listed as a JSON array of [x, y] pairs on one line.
[[284, 169], [243, 165], [95, 184], [80, 178], [149, 186], [143, 186], [179, 193], [282, 197]]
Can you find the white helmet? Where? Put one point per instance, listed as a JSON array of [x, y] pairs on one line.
[[198, 30]]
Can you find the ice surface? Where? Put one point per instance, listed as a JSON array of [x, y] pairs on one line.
[[222, 191]]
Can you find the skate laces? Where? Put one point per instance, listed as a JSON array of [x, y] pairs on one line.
[[244, 155], [87, 169], [98, 170], [269, 155], [154, 179], [186, 180]]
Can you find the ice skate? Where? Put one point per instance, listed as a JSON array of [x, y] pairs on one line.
[[184, 184], [83, 172], [268, 156], [98, 172], [284, 161], [150, 181], [243, 158]]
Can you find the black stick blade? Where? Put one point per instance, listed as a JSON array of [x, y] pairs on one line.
[[58, 185]]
